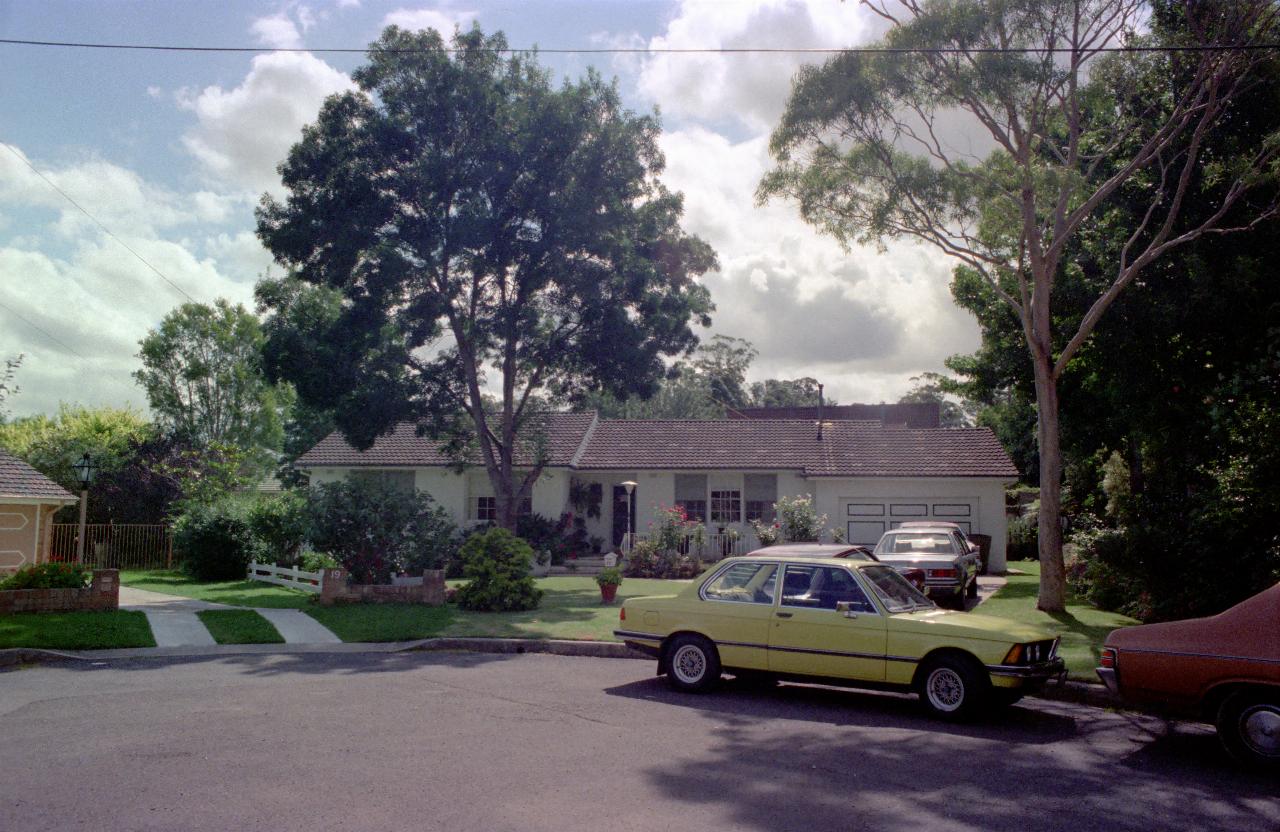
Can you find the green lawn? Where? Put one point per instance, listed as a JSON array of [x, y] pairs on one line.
[[76, 630], [570, 609], [239, 627], [236, 593], [1081, 627]]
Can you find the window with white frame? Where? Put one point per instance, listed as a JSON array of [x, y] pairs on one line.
[[726, 506], [487, 508]]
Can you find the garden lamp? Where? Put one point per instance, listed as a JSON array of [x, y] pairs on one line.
[[85, 470], [630, 489]]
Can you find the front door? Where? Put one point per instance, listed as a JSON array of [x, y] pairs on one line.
[[624, 515], [809, 636]]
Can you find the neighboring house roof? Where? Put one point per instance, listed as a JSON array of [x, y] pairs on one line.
[[18, 479], [847, 449], [913, 415], [563, 434]]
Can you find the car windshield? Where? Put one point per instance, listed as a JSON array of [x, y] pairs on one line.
[[915, 543], [894, 591]]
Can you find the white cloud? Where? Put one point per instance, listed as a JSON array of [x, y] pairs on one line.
[[276, 31], [443, 20], [243, 133], [750, 88], [810, 307]]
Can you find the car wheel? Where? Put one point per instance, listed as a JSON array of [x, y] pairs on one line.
[[973, 588], [693, 665], [1249, 726], [954, 687]]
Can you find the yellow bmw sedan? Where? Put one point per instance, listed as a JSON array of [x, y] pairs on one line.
[[836, 621]]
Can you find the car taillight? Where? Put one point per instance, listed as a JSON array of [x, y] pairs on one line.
[[1108, 657], [941, 573], [622, 614]]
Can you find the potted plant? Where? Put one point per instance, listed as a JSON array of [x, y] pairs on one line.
[[609, 580]]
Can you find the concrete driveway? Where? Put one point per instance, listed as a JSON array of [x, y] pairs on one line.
[[465, 742]]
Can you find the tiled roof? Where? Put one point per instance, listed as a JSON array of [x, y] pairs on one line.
[[18, 479], [911, 414], [847, 449], [563, 433]]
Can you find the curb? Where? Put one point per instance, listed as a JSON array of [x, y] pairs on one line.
[[558, 647], [1080, 693]]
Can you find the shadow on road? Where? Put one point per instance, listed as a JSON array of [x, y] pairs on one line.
[[882, 764], [311, 664]]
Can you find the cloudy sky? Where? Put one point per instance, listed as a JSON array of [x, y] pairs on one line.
[[168, 154]]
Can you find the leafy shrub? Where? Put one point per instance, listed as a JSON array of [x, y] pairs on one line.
[[609, 577], [48, 576], [1024, 540], [564, 538], [496, 564], [280, 527], [313, 561], [374, 531], [648, 560], [215, 541], [799, 521], [768, 535]]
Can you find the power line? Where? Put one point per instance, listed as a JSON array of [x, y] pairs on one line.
[[46, 333], [647, 50], [106, 230]]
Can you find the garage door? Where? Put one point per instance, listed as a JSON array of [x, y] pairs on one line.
[[866, 520]]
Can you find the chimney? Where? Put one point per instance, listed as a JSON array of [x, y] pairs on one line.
[[819, 412]]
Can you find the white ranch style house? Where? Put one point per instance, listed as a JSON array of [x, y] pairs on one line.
[[867, 475]]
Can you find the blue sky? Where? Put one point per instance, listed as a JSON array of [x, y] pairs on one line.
[[171, 152]]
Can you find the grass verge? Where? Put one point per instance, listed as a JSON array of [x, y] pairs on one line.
[[239, 627], [76, 630], [1081, 627], [235, 593], [570, 609], [383, 622]]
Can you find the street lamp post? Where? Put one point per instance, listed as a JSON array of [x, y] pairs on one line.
[[85, 469], [626, 537]]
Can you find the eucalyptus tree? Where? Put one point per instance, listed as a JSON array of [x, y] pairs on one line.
[[872, 146]]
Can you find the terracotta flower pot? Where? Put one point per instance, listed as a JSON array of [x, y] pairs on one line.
[[607, 593]]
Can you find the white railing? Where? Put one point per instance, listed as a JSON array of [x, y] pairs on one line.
[[712, 547], [290, 576]]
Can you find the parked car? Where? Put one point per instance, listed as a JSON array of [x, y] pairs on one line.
[[950, 565], [850, 551], [856, 623], [1224, 670], [969, 541]]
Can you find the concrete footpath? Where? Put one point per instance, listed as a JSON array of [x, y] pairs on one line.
[[174, 622]]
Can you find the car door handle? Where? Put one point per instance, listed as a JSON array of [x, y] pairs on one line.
[[783, 614]]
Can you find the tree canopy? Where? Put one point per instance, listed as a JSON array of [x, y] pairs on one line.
[[202, 372], [863, 149], [458, 226]]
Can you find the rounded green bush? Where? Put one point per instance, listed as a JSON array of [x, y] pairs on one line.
[[496, 564]]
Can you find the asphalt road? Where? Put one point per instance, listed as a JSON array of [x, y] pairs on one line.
[[537, 742]]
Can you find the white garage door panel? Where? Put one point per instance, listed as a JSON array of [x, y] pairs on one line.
[[863, 526]]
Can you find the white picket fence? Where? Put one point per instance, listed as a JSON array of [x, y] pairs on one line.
[[285, 576]]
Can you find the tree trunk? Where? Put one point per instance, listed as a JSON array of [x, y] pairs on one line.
[[1052, 574]]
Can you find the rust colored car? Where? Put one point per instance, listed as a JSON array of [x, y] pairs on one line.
[[1224, 669]]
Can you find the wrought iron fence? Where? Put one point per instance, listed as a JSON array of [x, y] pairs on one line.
[[115, 545]]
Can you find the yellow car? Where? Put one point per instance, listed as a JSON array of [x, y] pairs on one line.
[[852, 623]]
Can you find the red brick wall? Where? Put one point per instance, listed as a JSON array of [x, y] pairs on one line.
[[102, 594], [334, 589]]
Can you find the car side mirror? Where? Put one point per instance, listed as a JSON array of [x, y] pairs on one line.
[[845, 609]]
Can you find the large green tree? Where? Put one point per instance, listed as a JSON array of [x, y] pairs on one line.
[[484, 231], [202, 372], [863, 147]]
